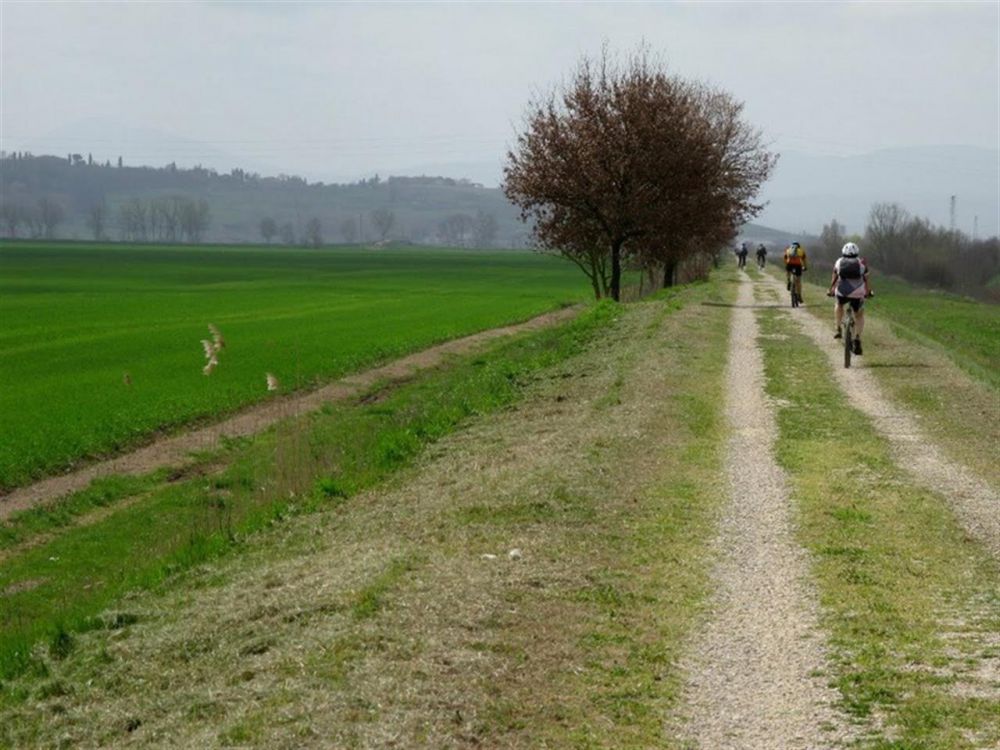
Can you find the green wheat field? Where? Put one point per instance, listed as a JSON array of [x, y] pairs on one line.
[[100, 345]]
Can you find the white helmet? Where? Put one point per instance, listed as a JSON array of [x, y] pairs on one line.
[[850, 250]]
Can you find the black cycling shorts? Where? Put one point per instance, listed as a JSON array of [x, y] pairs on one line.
[[794, 268], [856, 304]]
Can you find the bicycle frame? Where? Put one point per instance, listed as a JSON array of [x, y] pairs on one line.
[[847, 332], [796, 289]]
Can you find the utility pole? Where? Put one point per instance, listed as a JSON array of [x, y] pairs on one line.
[[975, 228], [953, 213]]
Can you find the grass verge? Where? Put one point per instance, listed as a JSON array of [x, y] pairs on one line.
[[402, 617], [911, 604], [962, 327], [61, 585], [939, 377]]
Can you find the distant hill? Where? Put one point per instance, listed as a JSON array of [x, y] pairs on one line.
[[807, 191], [772, 238], [239, 200], [436, 210]]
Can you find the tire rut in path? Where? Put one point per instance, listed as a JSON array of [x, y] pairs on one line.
[[975, 503], [176, 450], [751, 671]]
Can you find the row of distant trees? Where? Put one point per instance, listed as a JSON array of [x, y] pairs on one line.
[[171, 218], [36, 220], [415, 206], [457, 230], [312, 234], [178, 218], [168, 218], [898, 243]]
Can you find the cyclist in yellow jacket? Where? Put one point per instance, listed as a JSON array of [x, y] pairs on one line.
[[795, 263]]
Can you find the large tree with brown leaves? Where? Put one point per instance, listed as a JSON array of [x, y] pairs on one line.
[[625, 162]]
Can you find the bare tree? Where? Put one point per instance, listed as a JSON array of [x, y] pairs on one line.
[[33, 222], [831, 240], [626, 161], [268, 228], [349, 230], [157, 218], [455, 229], [133, 220], [884, 233], [97, 219], [194, 219], [382, 220], [165, 217], [13, 216], [485, 231], [287, 233], [314, 233], [50, 214]]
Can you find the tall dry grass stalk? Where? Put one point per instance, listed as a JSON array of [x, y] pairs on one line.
[[211, 349], [217, 340]]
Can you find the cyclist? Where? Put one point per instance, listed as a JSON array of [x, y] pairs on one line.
[[850, 286], [761, 255], [741, 255], [795, 263]]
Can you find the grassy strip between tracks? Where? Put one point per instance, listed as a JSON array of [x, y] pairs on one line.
[[52, 589], [909, 601], [961, 328], [397, 618], [936, 354]]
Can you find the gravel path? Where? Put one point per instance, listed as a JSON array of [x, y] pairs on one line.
[[752, 670], [175, 451], [975, 503]]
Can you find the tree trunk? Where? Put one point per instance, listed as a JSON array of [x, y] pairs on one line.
[[616, 272], [669, 273], [597, 287]]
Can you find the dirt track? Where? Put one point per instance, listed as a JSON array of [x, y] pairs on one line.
[[752, 673], [175, 451], [974, 502]]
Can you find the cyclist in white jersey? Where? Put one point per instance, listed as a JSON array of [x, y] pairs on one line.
[[850, 286]]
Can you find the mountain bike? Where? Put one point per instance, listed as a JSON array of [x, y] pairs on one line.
[[847, 331], [796, 289]]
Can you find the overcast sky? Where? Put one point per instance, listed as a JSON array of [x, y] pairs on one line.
[[338, 90]]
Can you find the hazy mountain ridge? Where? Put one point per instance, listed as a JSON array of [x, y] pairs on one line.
[[239, 200], [808, 191]]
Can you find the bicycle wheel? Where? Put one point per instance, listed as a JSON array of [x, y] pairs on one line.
[[848, 344]]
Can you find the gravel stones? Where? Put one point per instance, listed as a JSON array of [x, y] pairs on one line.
[[752, 670]]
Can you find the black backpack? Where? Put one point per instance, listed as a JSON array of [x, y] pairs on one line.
[[850, 268]]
